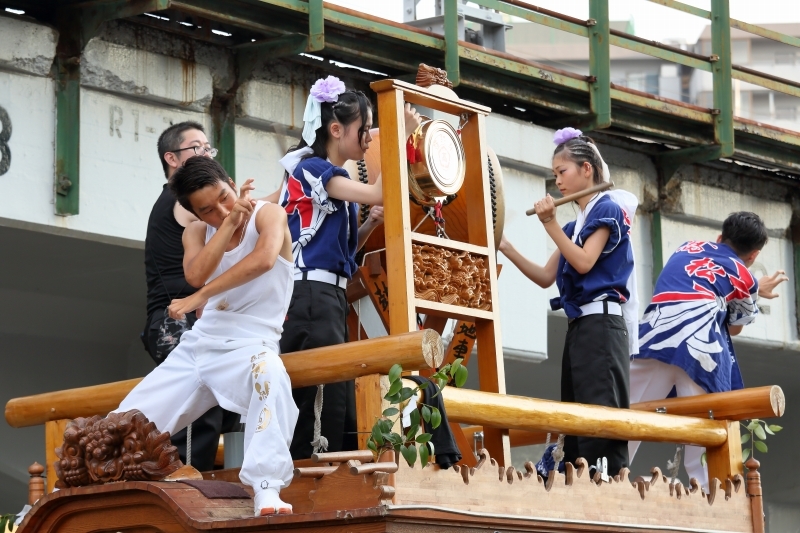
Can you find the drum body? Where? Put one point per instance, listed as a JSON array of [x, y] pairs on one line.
[[454, 213]]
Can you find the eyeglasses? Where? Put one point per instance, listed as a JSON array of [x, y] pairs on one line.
[[199, 150]]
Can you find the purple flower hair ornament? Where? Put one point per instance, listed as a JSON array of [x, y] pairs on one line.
[[324, 90], [565, 134], [327, 89]]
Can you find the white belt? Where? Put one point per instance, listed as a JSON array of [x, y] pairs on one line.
[[596, 308], [324, 276]]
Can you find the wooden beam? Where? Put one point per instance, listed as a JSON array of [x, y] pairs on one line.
[[53, 438], [397, 225], [331, 364], [725, 461], [530, 414], [368, 406], [758, 402]]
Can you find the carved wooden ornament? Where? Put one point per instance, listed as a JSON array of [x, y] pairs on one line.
[[119, 447], [451, 277], [427, 76]]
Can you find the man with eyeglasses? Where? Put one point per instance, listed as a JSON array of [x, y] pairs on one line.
[[163, 259]]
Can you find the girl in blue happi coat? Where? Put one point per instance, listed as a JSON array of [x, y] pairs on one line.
[[321, 202], [591, 267]]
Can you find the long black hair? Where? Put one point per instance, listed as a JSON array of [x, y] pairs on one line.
[[347, 109]]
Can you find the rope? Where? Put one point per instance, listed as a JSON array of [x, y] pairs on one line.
[[319, 443], [558, 453], [674, 465], [492, 191], [189, 445]]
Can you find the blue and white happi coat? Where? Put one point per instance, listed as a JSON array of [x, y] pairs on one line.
[[703, 288], [324, 229]]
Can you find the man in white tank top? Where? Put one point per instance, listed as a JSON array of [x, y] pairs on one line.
[[239, 254]]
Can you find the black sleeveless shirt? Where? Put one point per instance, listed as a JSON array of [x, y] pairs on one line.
[[163, 255]]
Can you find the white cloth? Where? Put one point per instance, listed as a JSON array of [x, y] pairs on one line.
[[628, 203], [652, 380], [312, 118], [230, 358], [630, 309], [290, 161]]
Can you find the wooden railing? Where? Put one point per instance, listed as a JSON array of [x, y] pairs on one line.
[[687, 420]]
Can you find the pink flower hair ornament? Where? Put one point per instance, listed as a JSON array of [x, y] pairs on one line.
[[566, 134]]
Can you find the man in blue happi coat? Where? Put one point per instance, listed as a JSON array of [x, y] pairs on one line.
[[704, 295]]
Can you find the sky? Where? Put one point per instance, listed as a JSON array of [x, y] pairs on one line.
[[651, 21]]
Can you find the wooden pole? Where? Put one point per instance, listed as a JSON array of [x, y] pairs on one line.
[[530, 414], [572, 197], [758, 402], [415, 351], [744, 404]]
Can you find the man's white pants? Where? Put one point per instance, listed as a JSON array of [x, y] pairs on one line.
[[245, 376], [653, 380]]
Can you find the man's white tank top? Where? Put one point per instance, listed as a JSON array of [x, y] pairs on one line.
[[256, 309]]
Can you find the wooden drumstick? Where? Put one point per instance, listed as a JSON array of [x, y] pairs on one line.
[[572, 197]]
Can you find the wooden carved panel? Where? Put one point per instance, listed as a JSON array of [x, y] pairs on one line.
[[451, 277]]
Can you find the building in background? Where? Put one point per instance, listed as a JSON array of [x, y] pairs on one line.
[[678, 82], [570, 52], [768, 56]]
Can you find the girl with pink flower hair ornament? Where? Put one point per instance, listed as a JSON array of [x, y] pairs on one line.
[[593, 269], [321, 201]]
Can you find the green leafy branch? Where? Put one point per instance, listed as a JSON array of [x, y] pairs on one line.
[[757, 431], [756, 434], [7, 522], [413, 443]]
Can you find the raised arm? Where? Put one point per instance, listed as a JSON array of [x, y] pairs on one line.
[[199, 262], [350, 190], [274, 239], [583, 258], [543, 276], [343, 188], [767, 284]]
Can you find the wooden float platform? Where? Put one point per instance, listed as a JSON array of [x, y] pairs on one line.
[[459, 499]]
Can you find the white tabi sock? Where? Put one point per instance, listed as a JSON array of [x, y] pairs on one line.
[[268, 501]]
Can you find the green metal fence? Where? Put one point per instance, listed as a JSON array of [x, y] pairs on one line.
[[553, 97]]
